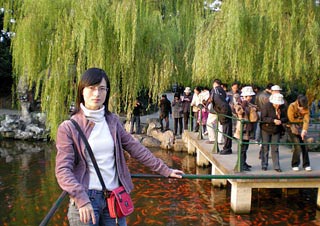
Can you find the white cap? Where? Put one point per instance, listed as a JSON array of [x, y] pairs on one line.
[[187, 90], [247, 91], [276, 98], [276, 88]]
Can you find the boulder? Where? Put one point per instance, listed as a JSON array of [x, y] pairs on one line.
[[151, 142]]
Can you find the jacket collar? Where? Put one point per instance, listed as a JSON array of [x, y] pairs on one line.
[[88, 125]]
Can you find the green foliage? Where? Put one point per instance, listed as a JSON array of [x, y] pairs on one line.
[[260, 42], [152, 44], [140, 44]]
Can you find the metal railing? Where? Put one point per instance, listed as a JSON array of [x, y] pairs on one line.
[[238, 175], [62, 196], [240, 141]]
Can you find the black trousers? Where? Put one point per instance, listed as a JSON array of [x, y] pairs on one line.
[[135, 119], [177, 123], [186, 116], [244, 149], [227, 129], [295, 162]]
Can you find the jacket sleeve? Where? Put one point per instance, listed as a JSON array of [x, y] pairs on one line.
[[65, 166], [305, 120]]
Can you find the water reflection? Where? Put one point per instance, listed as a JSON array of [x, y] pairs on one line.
[[28, 189]]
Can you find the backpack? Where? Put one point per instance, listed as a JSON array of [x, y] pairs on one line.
[[221, 106], [253, 114]]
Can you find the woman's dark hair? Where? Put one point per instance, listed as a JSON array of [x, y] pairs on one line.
[[92, 77], [302, 101], [198, 88]]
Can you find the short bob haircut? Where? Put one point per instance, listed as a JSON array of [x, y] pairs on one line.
[[302, 101], [92, 77]]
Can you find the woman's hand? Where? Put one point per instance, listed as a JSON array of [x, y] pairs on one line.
[[176, 173], [86, 213]]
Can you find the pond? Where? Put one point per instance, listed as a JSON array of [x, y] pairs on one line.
[[28, 189]]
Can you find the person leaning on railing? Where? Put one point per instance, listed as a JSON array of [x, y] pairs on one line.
[[108, 139], [273, 116], [298, 112]]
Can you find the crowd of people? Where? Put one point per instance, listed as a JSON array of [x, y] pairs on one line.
[[265, 115]]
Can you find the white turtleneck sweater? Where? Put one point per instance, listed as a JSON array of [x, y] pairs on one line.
[[102, 145]]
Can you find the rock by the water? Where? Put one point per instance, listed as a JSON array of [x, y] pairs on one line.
[[15, 127], [150, 142]]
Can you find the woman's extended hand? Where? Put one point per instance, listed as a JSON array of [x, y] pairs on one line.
[[176, 173], [86, 213]]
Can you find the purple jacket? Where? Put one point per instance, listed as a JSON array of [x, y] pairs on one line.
[[75, 178]]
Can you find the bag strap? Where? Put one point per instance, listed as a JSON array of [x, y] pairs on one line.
[[93, 159]]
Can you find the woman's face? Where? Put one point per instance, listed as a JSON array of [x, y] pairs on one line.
[[94, 96]]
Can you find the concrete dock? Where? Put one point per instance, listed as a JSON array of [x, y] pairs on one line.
[[241, 189]]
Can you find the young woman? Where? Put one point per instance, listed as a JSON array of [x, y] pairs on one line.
[[108, 140]]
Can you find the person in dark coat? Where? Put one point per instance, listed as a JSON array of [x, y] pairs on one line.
[[135, 117], [186, 103], [218, 98], [165, 111], [177, 114], [273, 115]]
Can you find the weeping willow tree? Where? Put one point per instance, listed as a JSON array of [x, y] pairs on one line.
[[151, 44], [256, 42], [140, 44]]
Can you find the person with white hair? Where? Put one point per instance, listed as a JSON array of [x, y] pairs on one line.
[[273, 115]]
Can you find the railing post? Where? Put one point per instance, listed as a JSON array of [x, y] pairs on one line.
[[200, 137], [190, 119]]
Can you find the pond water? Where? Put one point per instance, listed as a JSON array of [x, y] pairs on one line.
[[28, 189]]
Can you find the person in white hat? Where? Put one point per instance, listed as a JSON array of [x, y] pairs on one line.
[[273, 115], [242, 110], [275, 89]]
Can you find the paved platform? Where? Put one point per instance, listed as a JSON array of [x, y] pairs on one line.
[[241, 190], [228, 162]]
